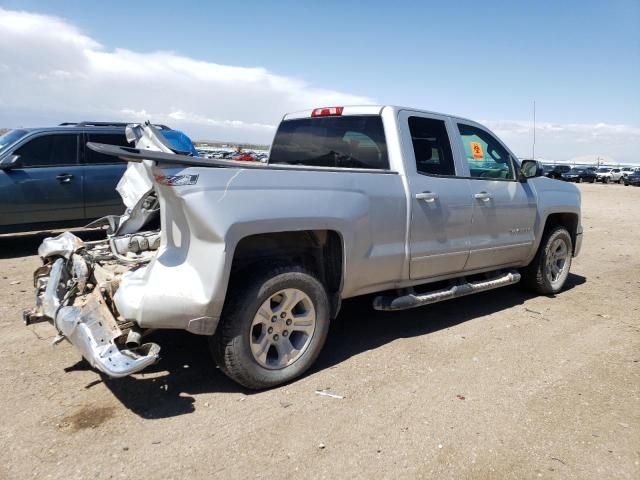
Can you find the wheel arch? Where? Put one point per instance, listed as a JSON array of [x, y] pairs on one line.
[[568, 220], [320, 251]]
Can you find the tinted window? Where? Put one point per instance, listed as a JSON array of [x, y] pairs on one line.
[[486, 157], [49, 150], [10, 137], [431, 146], [348, 142], [118, 139]]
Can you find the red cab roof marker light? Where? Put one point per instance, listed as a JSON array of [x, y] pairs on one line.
[[327, 112]]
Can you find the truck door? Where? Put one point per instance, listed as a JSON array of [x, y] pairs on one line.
[[47, 186], [440, 201], [504, 209]]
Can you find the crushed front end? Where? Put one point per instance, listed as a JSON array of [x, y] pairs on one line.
[[74, 292]]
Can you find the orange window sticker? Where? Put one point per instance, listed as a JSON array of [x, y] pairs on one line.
[[476, 150]]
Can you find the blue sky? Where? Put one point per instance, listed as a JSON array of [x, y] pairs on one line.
[[580, 61]]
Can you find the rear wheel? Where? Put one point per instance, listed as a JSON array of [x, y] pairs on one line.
[[548, 271], [272, 328]]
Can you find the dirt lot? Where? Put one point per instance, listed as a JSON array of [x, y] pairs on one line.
[[497, 385]]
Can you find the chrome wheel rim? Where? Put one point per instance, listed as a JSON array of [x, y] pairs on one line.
[[557, 261], [282, 329]]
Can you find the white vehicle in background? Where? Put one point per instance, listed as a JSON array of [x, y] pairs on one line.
[[628, 170], [607, 175]]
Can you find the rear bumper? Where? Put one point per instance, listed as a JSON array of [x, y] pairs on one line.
[[87, 322], [92, 329]]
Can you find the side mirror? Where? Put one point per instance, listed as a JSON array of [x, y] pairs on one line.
[[530, 169], [12, 161]]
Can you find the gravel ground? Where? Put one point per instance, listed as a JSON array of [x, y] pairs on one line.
[[497, 385]]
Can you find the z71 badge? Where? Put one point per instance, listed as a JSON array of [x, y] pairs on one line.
[[177, 180]]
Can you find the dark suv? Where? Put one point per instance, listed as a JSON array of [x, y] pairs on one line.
[[555, 171], [49, 178]]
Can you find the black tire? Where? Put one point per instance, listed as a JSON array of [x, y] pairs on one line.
[[534, 276], [605, 180], [579, 179], [593, 180], [230, 346]]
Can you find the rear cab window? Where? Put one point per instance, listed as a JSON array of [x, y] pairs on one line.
[[431, 146], [353, 141]]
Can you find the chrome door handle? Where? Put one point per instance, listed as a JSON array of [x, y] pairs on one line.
[[64, 177], [482, 196], [427, 196]]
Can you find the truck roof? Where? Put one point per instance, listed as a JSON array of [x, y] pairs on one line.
[[360, 110]]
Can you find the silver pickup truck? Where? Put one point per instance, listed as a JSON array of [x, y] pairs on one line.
[[415, 206]]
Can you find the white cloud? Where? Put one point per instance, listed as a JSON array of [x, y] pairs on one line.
[[569, 141], [51, 71]]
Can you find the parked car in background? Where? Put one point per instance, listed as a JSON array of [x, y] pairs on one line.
[[49, 179], [609, 175], [633, 178], [616, 175], [555, 171], [603, 174], [579, 175], [243, 157], [627, 170]]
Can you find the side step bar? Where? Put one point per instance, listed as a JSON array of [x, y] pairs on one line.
[[404, 302]]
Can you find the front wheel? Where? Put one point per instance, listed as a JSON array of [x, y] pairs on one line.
[[548, 271], [272, 328]]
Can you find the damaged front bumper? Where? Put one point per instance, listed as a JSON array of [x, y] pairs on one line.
[[74, 291]]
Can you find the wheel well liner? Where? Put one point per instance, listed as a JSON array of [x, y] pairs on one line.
[[320, 251], [567, 220]]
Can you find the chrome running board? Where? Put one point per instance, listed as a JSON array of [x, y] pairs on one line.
[[412, 300]]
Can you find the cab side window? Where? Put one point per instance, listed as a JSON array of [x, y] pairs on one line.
[[49, 150], [486, 157], [431, 146]]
